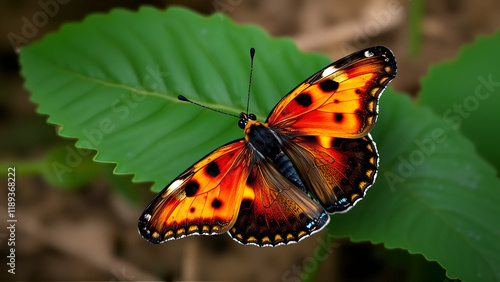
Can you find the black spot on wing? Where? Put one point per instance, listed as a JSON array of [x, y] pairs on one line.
[[216, 204], [212, 169], [191, 188], [328, 85], [304, 100], [338, 117]]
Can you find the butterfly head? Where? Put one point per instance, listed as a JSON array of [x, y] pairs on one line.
[[244, 118]]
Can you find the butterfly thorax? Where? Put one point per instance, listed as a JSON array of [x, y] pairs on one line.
[[262, 139]]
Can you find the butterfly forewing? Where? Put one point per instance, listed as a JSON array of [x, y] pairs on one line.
[[340, 100], [202, 200]]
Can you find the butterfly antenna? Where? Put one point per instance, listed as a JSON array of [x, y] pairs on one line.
[[252, 54], [182, 98]]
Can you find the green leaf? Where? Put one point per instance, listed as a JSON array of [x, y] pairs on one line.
[[465, 93], [112, 82], [433, 195]]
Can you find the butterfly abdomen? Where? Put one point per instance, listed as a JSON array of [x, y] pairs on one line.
[[286, 168]]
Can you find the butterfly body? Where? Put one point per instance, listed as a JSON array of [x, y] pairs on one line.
[[262, 139], [311, 157]]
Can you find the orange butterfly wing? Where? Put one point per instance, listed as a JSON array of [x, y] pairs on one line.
[[340, 100], [276, 212], [205, 199], [325, 123], [337, 171]]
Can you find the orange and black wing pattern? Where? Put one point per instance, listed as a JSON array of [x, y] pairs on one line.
[[204, 200], [340, 100], [275, 212], [313, 156], [336, 171]]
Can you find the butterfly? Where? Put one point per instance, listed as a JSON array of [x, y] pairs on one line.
[[313, 156]]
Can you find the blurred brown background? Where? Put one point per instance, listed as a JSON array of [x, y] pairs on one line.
[[87, 231]]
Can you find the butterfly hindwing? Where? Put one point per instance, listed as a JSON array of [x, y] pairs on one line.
[[337, 171], [205, 199], [275, 212], [340, 100]]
